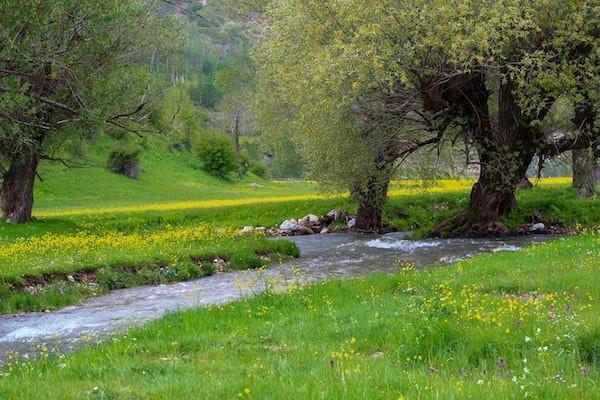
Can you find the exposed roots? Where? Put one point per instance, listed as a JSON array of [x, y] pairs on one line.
[[463, 225]]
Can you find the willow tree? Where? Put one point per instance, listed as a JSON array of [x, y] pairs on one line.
[[66, 66], [324, 67], [487, 71], [500, 78]]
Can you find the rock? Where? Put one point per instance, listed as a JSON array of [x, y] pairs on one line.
[[309, 220], [261, 229], [304, 222], [324, 231], [291, 225], [333, 213], [70, 278], [312, 218], [537, 227], [256, 185], [219, 264], [352, 223], [247, 229], [377, 354]]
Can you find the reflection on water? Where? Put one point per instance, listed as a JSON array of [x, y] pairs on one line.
[[323, 257]]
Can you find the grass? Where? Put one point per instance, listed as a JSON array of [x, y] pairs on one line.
[[168, 176], [501, 326], [149, 243], [102, 223], [498, 326]]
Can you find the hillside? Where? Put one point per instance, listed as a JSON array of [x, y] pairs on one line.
[[168, 176]]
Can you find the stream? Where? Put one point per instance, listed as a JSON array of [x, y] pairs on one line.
[[340, 255]]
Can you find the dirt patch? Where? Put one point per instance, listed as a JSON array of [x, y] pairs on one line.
[[85, 276]]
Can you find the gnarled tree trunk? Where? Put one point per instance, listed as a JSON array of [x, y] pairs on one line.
[[584, 166], [16, 196], [371, 201], [505, 152], [585, 161], [493, 196]]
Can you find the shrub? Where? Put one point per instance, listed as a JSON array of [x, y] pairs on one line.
[[124, 160], [259, 169], [249, 164], [216, 153]]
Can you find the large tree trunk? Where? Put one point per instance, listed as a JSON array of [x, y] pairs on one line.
[[371, 201], [505, 152], [493, 196], [17, 190], [585, 161], [584, 166]]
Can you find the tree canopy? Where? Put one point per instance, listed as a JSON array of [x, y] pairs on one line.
[[362, 79], [67, 66]]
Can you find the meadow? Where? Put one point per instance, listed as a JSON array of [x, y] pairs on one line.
[[500, 326], [497, 326], [89, 244]]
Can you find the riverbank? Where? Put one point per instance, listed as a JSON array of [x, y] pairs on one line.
[[505, 325], [333, 256], [69, 254]]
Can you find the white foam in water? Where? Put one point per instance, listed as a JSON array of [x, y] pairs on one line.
[[454, 259], [30, 333], [22, 333], [406, 245], [506, 247]]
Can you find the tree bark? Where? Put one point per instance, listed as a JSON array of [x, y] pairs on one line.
[[584, 166], [505, 151], [525, 183], [371, 201], [585, 161], [16, 195]]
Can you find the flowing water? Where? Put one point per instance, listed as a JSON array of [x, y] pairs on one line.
[[323, 257]]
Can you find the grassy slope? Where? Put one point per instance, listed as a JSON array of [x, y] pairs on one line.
[[168, 176], [500, 326]]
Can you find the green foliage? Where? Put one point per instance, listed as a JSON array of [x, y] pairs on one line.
[[73, 66], [328, 70], [177, 115], [217, 154], [249, 164], [259, 169]]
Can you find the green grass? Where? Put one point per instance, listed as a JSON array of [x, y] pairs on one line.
[[498, 326], [168, 176], [77, 205], [501, 326]]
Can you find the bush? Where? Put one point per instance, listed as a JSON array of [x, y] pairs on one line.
[[125, 161], [217, 154], [259, 169], [248, 164]]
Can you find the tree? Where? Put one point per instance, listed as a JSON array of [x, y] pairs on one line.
[[584, 165], [66, 66], [488, 73], [335, 102], [585, 160], [234, 113]]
